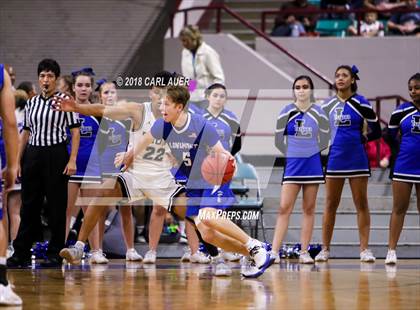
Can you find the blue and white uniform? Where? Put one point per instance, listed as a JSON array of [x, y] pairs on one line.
[[301, 136], [88, 161], [114, 139], [406, 120], [189, 145], [347, 156]]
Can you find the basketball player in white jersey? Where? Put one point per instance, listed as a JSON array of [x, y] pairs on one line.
[[149, 176]]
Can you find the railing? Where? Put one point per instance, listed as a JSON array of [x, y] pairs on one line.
[[221, 7], [358, 12]]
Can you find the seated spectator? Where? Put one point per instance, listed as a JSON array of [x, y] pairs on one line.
[[340, 5], [406, 23], [382, 4], [282, 23], [370, 27], [288, 28], [384, 153]]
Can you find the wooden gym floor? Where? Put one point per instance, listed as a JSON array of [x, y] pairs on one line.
[[339, 284]]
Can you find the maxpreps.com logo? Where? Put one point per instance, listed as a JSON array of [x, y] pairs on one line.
[[301, 131], [341, 119], [415, 124]]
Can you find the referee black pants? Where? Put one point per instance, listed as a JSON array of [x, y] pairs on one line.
[[42, 177]]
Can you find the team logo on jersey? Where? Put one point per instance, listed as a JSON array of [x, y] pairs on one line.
[[221, 133], [415, 124], [113, 139], [341, 119], [301, 131], [85, 131]]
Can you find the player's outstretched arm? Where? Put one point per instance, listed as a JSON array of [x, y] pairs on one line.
[[121, 111]]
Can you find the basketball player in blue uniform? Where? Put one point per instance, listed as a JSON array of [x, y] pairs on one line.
[[302, 132], [11, 138], [348, 114], [406, 171], [189, 138], [87, 162], [114, 136], [14, 200]]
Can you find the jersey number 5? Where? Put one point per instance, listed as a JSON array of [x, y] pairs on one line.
[[186, 158]]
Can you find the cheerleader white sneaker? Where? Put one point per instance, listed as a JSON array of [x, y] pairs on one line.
[[132, 256], [391, 257], [322, 256], [98, 257], [305, 258], [150, 257], [366, 256], [200, 258]]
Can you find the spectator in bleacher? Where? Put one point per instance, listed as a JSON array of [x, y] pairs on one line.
[[370, 27], [200, 63], [290, 27], [406, 23], [29, 88], [382, 4], [282, 22], [340, 5]]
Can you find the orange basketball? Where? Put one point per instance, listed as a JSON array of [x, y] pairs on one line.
[[217, 168]]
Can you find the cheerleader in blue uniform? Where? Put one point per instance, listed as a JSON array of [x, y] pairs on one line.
[[406, 172], [302, 132], [87, 162], [348, 112], [114, 135]]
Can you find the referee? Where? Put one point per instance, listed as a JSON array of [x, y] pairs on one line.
[[45, 168]]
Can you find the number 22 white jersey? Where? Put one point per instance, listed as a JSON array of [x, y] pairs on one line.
[[154, 158]]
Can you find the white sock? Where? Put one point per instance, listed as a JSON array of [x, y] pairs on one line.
[[182, 227], [3, 260], [72, 221], [79, 245], [251, 243]]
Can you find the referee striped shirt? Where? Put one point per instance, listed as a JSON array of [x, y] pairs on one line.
[[47, 127]]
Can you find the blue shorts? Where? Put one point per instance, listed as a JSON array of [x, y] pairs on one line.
[[216, 198]]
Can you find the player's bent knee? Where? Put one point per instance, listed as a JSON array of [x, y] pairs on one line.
[[159, 211], [207, 233]]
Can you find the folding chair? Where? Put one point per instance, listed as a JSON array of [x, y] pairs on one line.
[[245, 174]]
